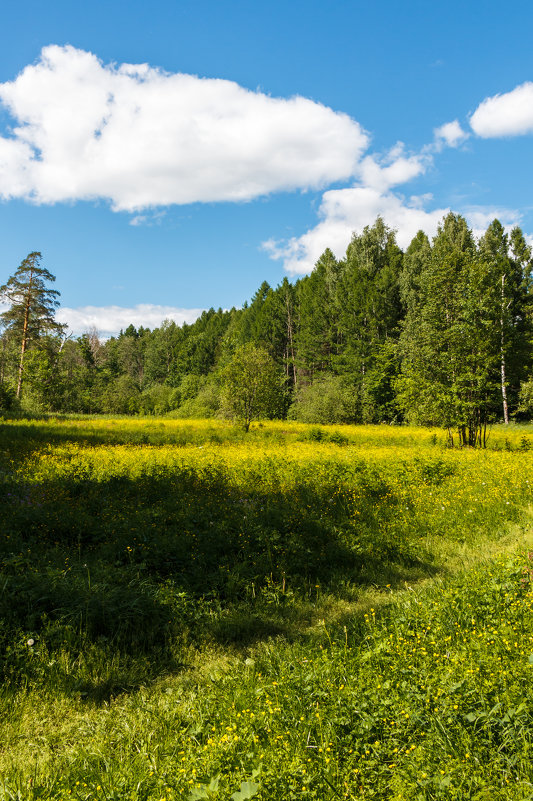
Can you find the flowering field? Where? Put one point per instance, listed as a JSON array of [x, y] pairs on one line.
[[190, 612]]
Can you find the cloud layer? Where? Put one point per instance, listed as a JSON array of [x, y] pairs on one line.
[[109, 320], [141, 137], [144, 139], [510, 114]]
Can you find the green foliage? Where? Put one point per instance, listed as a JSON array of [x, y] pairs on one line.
[[525, 405], [459, 330], [123, 396], [201, 402], [440, 335], [8, 399], [329, 399], [32, 306], [158, 399], [252, 386]]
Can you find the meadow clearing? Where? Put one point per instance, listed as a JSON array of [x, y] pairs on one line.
[[191, 612]]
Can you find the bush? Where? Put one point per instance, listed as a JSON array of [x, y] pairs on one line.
[[329, 399], [159, 399], [123, 396], [196, 397]]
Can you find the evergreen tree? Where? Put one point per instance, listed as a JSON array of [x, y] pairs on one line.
[[368, 299], [287, 327], [32, 307], [318, 337]]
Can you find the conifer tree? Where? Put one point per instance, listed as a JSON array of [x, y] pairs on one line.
[[368, 298], [32, 306], [318, 335]]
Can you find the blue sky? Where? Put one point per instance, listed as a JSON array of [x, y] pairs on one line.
[[253, 136]]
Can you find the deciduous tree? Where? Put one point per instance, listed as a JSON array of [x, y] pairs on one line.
[[252, 385]]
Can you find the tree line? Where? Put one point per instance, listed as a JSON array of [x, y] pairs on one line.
[[438, 334]]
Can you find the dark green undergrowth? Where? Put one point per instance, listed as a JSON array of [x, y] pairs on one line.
[[143, 566]]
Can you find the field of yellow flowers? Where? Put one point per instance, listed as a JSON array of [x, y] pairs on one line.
[[191, 612]]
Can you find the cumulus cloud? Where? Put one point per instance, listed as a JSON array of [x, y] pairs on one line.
[[392, 169], [142, 137], [344, 211], [109, 320], [510, 114], [480, 217], [450, 134]]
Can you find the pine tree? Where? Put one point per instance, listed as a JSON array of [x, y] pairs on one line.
[[32, 306]]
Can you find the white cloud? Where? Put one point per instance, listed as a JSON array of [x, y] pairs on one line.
[[510, 114], [480, 217], [450, 134], [147, 219], [344, 211], [109, 320], [394, 168], [141, 137]]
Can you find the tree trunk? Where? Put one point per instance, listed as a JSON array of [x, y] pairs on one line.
[[290, 337], [24, 335], [504, 378]]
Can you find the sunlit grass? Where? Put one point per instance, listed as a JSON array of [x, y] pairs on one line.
[[188, 611]]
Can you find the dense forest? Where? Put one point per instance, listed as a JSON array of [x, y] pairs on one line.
[[441, 334]]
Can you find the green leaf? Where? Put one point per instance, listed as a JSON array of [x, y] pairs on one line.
[[197, 793], [204, 790], [248, 790]]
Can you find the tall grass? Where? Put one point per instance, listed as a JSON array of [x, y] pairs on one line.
[[190, 612]]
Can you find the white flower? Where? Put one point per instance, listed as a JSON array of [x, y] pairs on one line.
[[31, 642]]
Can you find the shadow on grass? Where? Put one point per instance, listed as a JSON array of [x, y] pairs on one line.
[[113, 580]]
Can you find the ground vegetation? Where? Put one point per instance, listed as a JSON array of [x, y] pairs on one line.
[[189, 611]]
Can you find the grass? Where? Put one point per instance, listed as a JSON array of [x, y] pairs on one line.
[[187, 612]]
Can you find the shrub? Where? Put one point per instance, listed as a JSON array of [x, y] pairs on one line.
[[329, 399]]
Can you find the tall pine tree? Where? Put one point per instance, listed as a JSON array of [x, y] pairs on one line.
[[32, 307]]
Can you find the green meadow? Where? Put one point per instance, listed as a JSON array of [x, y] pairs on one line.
[[300, 612]]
